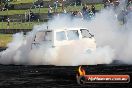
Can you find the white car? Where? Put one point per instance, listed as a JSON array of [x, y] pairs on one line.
[[64, 37]]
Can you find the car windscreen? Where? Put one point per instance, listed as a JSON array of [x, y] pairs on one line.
[[60, 36], [72, 34], [85, 33]]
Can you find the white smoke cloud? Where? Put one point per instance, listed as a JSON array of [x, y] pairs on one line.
[[113, 43]]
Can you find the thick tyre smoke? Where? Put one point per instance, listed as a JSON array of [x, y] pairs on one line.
[[113, 43]]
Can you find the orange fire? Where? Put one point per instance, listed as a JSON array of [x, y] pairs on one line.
[[81, 71]]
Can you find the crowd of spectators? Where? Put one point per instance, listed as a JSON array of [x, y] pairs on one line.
[[108, 3], [115, 3], [87, 12]]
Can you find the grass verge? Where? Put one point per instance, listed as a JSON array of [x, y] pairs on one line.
[[18, 25], [5, 39]]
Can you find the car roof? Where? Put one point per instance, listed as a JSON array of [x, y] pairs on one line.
[[61, 29]]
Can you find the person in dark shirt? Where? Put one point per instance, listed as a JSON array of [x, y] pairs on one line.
[[93, 9], [106, 3], [84, 8]]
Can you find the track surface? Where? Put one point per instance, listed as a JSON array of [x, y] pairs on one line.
[[17, 76], [23, 76]]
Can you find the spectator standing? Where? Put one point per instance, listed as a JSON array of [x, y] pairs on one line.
[[8, 23], [41, 4], [84, 8], [91, 15], [106, 3], [25, 16], [31, 15], [85, 12], [63, 3], [49, 11], [80, 15], [55, 6], [93, 9]]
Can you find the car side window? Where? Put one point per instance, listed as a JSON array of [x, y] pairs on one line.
[[60, 36], [39, 36], [73, 35], [48, 36], [85, 33], [43, 36]]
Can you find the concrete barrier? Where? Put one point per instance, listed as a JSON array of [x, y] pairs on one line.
[[21, 17], [68, 2], [92, 1], [13, 31]]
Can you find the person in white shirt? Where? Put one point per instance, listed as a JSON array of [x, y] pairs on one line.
[[49, 11]]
